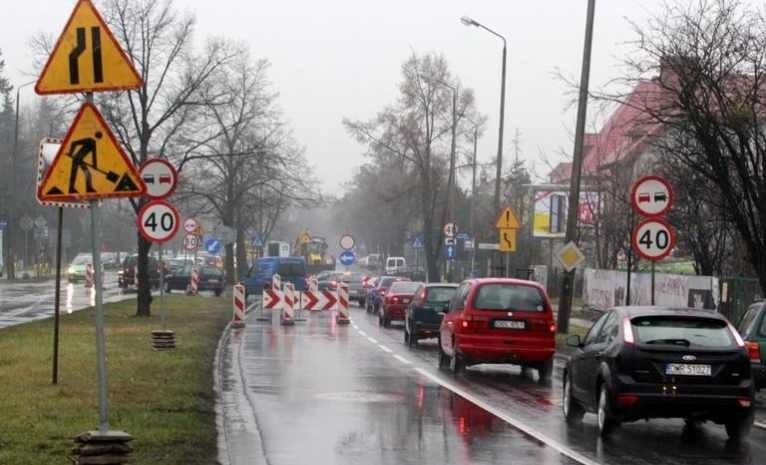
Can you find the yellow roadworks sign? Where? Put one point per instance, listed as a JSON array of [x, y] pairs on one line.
[[90, 164], [87, 58], [507, 240], [508, 219]]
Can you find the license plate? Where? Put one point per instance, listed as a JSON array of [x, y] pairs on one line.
[[405, 301], [510, 324], [685, 369]]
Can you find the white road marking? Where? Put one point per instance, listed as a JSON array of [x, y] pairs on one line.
[[372, 339], [384, 348], [760, 424], [362, 333], [402, 359], [516, 423]]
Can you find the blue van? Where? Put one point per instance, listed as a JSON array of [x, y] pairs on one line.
[[291, 269]]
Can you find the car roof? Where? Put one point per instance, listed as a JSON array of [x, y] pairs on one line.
[[519, 282], [450, 285], [660, 310]]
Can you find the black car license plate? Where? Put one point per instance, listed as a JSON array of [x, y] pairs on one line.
[[510, 324]]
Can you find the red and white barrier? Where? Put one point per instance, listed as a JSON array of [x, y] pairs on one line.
[[276, 282], [238, 316], [319, 300], [288, 304], [194, 283], [313, 284], [342, 317], [89, 275], [272, 299], [135, 276]]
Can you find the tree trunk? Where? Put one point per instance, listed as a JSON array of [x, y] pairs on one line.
[[144, 299], [229, 264], [242, 266]]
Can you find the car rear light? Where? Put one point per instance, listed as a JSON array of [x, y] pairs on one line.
[[744, 403], [627, 331], [392, 300], [552, 327], [736, 335], [627, 400], [754, 351], [423, 295]]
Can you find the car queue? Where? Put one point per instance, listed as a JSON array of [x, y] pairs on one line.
[[634, 363]]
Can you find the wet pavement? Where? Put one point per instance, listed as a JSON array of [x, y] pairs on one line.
[[25, 301], [320, 393]]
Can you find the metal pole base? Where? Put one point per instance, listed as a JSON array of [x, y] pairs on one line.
[[93, 447], [237, 324], [342, 320], [163, 339]]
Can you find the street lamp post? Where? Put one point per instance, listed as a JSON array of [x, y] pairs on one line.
[[9, 258], [499, 168]]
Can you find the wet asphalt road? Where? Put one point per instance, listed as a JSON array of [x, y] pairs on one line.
[[318, 393], [24, 301]]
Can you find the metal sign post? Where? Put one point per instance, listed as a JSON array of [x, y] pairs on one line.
[[57, 298], [103, 403], [162, 287]]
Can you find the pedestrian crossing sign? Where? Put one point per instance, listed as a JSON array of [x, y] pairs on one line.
[[87, 58], [90, 164]]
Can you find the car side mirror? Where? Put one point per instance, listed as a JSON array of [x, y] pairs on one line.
[[574, 341]]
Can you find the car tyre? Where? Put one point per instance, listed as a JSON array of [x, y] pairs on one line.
[[457, 364], [413, 338], [573, 411], [444, 359], [737, 428], [606, 420], [218, 292], [545, 371]]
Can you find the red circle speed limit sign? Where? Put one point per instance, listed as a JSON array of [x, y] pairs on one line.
[[653, 239], [158, 221]]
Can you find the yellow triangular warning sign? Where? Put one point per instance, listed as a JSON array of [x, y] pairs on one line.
[[90, 164], [87, 58], [508, 219]]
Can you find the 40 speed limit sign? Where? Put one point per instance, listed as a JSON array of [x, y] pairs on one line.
[[158, 221], [653, 239]]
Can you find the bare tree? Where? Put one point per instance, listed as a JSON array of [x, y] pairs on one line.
[[416, 131], [710, 59], [159, 41]]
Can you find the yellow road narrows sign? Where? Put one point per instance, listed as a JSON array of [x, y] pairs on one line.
[[90, 164], [87, 58]]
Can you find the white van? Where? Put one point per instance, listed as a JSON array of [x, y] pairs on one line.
[[394, 264]]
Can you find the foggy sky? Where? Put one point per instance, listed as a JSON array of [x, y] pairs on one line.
[[339, 58]]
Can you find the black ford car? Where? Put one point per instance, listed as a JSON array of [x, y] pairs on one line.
[[653, 362]]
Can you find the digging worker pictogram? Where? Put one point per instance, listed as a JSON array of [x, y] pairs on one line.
[[78, 151]]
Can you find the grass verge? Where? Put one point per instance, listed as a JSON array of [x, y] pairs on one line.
[[165, 400]]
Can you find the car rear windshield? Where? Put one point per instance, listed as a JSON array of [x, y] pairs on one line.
[[386, 282], [683, 331], [352, 278], [291, 269], [404, 287], [440, 294], [509, 297]]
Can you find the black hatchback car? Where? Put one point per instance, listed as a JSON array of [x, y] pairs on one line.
[[653, 362]]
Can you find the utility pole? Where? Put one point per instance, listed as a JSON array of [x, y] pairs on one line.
[[472, 205], [567, 284]]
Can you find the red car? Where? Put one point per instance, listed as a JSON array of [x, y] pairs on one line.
[[396, 300], [497, 320]]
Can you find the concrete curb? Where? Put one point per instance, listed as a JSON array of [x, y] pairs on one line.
[[224, 452]]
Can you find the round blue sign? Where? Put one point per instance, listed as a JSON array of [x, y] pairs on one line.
[[213, 245], [347, 258]]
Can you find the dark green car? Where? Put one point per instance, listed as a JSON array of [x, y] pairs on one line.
[[752, 328]]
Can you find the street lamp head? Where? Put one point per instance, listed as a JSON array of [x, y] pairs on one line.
[[468, 21]]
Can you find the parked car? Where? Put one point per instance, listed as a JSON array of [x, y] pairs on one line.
[[396, 300], [375, 295], [496, 320], [394, 264], [424, 314], [752, 328], [76, 270], [126, 276], [290, 269], [210, 279], [657, 362]]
